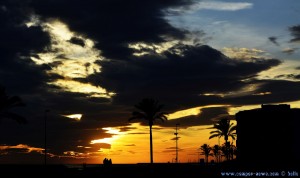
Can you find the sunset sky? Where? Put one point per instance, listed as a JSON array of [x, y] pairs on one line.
[[89, 62]]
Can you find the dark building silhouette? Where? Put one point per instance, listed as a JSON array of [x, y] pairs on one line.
[[269, 135]]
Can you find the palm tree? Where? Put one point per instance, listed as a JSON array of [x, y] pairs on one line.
[[149, 110], [205, 148], [225, 151], [7, 103], [224, 129], [232, 151], [216, 149]]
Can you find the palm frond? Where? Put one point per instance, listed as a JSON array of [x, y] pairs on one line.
[[14, 101], [149, 109], [216, 131], [223, 128], [137, 115], [13, 116], [214, 135], [7, 103], [233, 128], [161, 116]]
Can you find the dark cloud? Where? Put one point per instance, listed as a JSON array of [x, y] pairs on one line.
[[63, 134], [18, 42], [114, 24], [273, 39], [16, 36], [297, 76], [77, 41], [295, 32], [172, 77], [281, 91]]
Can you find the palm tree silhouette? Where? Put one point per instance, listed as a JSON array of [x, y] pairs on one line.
[[205, 148], [225, 151], [216, 149], [224, 129], [232, 151], [150, 110], [7, 103]]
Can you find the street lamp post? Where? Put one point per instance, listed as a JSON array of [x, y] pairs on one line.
[[176, 133], [45, 129]]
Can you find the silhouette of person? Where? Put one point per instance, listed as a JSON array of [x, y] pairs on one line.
[[105, 161]]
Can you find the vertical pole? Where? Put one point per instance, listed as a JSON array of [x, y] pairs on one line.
[[151, 145], [176, 133], [45, 129]]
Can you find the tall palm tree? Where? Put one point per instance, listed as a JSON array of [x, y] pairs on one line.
[[149, 110], [224, 129], [205, 148], [7, 103]]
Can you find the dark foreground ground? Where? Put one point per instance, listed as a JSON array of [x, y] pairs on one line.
[[147, 170]]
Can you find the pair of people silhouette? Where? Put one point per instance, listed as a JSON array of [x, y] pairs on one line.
[[107, 161]]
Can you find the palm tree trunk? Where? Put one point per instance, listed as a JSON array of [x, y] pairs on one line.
[[227, 145], [151, 145]]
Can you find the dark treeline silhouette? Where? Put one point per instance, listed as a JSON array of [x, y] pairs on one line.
[[149, 110], [218, 152], [7, 103], [205, 148]]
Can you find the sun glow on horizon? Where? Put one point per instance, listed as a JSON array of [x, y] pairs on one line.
[[115, 132], [132, 144]]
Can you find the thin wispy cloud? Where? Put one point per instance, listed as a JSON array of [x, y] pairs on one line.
[[223, 6], [289, 50], [130, 145], [213, 5], [4, 149]]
